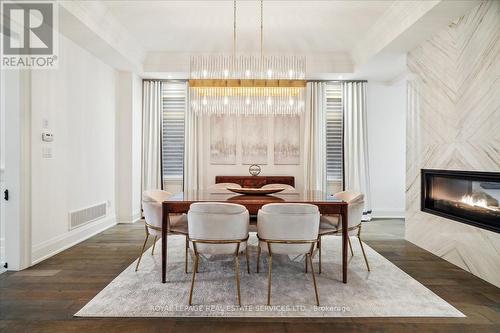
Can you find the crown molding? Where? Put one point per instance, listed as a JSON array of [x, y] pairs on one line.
[[90, 25], [399, 17], [406, 24]]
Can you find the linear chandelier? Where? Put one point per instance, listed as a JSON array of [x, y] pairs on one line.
[[247, 84]]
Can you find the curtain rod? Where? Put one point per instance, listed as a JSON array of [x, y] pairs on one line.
[[185, 80], [166, 80], [337, 80]]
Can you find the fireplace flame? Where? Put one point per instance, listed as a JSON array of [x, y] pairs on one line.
[[469, 200]]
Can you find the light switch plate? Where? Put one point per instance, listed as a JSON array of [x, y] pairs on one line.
[[47, 137], [47, 152]]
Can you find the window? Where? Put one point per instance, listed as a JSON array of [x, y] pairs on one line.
[[174, 106], [334, 129]]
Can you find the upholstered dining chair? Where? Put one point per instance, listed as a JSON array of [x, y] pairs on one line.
[[290, 229], [223, 186], [287, 188], [217, 228], [153, 213], [331, 224]]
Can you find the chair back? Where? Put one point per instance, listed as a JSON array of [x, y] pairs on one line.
[[287, 188], [223, 186], [356, 205], [288, 222], [217, 221], [152, 208]]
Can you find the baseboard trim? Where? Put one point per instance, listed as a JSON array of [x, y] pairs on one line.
[[129, 219], [60, 243]]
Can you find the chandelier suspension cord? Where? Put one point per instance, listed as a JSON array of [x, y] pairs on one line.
[[234, 29], [261, 31]]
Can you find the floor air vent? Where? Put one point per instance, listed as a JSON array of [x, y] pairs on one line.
[[81, 217]]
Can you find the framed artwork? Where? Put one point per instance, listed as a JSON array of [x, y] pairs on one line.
[[222, 140], [254, 139], [287, 140]]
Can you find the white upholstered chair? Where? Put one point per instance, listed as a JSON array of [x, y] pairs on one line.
[[153, 213], [223, 186], [287, 188], [290, 229], [218, 228], [331, 224]]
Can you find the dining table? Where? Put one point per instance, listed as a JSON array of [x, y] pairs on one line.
[[179, 203]]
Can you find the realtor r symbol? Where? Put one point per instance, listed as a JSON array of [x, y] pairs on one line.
[[27, 28]]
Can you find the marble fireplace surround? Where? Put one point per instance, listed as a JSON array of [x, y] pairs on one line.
[[453, 123]]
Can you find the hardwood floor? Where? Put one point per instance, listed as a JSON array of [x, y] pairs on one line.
[[44, 298]]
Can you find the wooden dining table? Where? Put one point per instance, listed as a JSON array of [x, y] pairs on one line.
[[179, 203]]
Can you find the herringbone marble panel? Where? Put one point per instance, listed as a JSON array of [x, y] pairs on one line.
[[453, 122]]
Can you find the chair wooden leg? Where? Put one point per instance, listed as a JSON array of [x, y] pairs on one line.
[[237, 269], [247, 259], [269, 279], [314, 279], [350, 245], [258, 257], [142, 251], [154, 244], [186, 254], [363, 249], [195, 268]]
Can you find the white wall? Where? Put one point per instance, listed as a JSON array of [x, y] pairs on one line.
[[128, 148], [137, 145], [239, 169], [386, 106], [78, 102], [210, 171]]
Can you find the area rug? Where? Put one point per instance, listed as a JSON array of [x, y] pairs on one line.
[[386, 291]]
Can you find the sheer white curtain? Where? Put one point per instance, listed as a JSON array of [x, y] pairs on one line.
[[151, 136], [193, 151], [315, 137], [356, 168]]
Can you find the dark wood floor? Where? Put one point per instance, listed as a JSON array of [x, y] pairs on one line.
[[45, 297]]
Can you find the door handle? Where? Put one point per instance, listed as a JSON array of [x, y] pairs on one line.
[[6, 195]]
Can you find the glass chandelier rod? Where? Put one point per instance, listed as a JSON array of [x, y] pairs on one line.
[[247, 84]]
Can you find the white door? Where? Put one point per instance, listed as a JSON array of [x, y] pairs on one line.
[[2, 172], [14, 213], [15, 120]]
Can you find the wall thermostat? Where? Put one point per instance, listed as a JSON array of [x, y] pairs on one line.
[[47, 137]]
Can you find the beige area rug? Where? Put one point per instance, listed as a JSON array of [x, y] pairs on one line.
[[386, 291]]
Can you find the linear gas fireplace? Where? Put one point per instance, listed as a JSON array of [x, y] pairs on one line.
[[465, 196]]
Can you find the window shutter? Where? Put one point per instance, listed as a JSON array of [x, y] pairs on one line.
[[334, 128], [174, 106]]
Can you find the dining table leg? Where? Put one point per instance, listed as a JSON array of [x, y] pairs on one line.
[[164, 239], [345, 235]]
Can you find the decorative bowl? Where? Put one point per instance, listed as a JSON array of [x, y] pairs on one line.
[[255, 191]]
